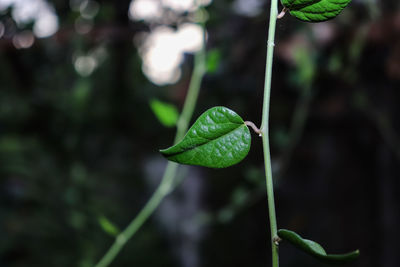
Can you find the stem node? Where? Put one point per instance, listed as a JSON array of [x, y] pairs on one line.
[[276, 240]]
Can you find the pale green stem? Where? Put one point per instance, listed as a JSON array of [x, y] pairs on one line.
[[265, 131], [167, 182]]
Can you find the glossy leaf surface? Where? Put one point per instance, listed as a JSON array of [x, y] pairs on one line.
[[166, 113], [218, 139], [315, 10], [315, 249]]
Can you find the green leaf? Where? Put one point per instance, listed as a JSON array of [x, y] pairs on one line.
[[315, 10], [218, 139], [108, 226], [315, 249], [213, 60], [167, 114]]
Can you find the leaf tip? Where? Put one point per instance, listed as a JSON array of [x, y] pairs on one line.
[[315, 249], [163, 151], [356, 252]]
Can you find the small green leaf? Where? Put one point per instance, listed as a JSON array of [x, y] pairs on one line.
[[218, 139], [108, 226], [315, 249], [167, 114], [213, 60], [315, 10]]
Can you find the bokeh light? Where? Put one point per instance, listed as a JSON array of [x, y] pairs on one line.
[[89, 9], [86, 64], [249, 8], [40, 12], [145, 10], [24, 39], [1, 29], [163, 48]]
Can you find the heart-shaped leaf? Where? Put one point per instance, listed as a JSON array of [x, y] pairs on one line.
[[315, 249], [315, 10], [219, 138]]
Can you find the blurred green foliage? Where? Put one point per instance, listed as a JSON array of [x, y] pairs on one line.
[[108, 226], [167, 114]]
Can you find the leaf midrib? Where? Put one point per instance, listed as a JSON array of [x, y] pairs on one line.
[[198, 146], [301, 6]]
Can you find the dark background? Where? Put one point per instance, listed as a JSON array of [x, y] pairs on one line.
[[75, 149]]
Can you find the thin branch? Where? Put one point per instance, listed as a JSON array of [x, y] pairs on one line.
[[168, 181], [265, 131]]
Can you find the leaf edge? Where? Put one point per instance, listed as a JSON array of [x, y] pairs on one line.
[[299, 242]]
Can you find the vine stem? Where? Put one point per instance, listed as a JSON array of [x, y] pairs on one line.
[[167, 182], [265, 132]]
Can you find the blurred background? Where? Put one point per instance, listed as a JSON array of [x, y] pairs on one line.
[[80, 83]]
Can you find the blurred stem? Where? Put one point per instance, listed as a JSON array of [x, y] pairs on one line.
[[300, 114], [386, 130], [265, 131], [167, 182]]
